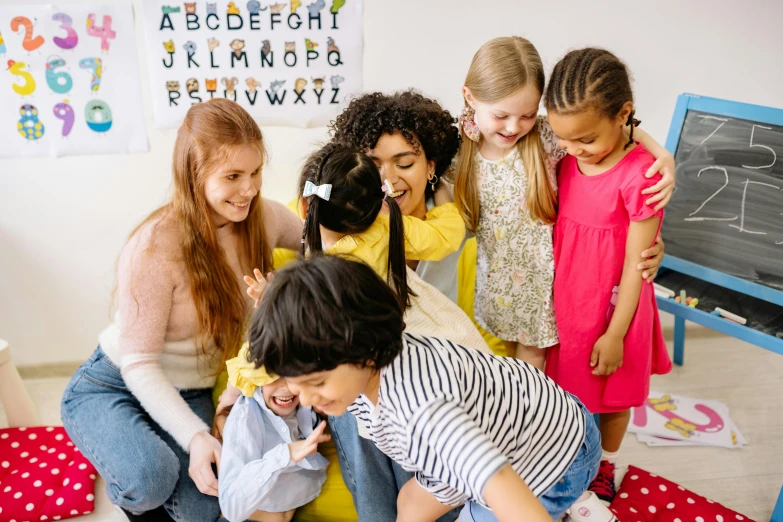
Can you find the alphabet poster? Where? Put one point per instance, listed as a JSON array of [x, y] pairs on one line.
[[288, 63], [69, 80]]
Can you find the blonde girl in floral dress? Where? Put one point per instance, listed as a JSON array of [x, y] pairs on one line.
[[505, 189]]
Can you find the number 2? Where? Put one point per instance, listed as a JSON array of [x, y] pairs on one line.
[[774, 156], [30, 44], [726, 176]]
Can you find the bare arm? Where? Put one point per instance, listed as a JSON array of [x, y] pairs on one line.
[[511, 499], [416, 504], [664, 165], [607, 353]]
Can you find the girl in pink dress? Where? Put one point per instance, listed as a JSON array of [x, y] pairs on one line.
[[607, 319]]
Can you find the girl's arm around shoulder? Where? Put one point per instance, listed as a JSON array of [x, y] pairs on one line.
[[436, 237]]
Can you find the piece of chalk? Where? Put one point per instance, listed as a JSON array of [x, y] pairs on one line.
[[683, 296], [688, 300], [695, 301], [677, 298], [728, 315]]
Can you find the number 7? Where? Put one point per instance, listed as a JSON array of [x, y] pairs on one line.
[[774, 156]]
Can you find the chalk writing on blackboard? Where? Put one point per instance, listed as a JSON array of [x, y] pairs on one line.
[[727, 210]]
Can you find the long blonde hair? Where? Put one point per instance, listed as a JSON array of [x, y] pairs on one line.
[[501, 67], [210, 132]]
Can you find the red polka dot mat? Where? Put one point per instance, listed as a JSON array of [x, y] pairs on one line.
[[43, 476], [645, 497]]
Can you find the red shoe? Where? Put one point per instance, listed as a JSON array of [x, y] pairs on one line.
[[603, 484]]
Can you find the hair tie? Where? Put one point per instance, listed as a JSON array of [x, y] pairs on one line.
[[631, 122], [322, 191]]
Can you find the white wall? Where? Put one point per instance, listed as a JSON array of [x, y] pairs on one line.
[[63, 221]]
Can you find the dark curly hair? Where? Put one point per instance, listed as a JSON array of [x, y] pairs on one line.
[[421, 121]]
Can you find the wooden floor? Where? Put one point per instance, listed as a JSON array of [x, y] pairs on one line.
[[746, 378]]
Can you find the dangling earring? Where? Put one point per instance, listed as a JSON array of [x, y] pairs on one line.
[[467, 121], [433, 181]]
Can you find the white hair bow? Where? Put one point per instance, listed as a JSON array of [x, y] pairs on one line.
[[322, 191]]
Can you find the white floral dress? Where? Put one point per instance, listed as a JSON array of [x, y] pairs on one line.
[[515, 267]]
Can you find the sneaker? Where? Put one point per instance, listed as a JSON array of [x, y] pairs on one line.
[[591, 510], [603, 484]]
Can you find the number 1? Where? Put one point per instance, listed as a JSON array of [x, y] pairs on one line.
[[741, 226]]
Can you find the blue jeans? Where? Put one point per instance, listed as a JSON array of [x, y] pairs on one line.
[[142, 464], [373, 479], [565, 491]]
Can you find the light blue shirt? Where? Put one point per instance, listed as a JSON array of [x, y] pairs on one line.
[[256, 470]]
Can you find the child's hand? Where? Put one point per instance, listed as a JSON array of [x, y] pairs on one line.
[[653, 257], [443, 194], [255, 288], [664, 188], [607, 354], [302, 448]]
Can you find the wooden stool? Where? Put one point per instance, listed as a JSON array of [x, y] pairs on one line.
[[19, 407]]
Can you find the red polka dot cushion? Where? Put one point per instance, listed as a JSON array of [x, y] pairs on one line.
[[644, 497], [43, 476]]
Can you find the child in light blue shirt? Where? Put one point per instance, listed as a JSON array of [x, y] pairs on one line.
[[270, 465]]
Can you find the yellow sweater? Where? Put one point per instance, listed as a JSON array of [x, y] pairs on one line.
[[432, 239]]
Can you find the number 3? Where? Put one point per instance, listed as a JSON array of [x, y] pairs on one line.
[[71, 39]]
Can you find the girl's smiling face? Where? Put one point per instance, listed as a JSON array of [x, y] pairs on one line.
[[230, 189], [408, 170], [504, 122], [589, 136], [279, 398]]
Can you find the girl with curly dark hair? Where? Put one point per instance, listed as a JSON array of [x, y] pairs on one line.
[[413, 140]]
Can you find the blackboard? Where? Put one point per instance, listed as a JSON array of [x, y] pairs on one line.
[[727, 210]]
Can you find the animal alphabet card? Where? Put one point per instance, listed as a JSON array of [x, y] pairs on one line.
[[69, 80], [290, 62]]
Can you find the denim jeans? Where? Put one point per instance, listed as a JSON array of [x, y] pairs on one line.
[[565, 491], [373, 479], [142, 464]]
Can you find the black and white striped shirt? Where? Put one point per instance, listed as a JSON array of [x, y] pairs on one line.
[[455, 416]]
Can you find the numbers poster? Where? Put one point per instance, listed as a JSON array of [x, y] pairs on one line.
[[69, 80], [288, 62]]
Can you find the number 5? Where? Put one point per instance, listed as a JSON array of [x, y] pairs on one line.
[[774, 156]]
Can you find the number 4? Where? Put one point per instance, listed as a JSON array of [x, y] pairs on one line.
[[103, 32], [774, 156]]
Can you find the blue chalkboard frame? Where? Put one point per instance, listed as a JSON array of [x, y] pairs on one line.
[[683, 313], [718, 107]]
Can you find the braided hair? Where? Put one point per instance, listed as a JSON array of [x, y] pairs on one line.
[[590, 78], [354, 203]]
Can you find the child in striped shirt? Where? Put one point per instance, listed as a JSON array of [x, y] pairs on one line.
[[492, 433]]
